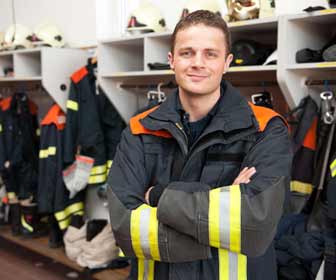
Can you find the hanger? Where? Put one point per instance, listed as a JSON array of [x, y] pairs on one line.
[[158, 94]]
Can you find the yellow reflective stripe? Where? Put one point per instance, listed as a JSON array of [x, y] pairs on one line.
[[333, 164], [26, 225], [0, 127], [333, 168], [97, 179], [144, 232], [145, 269], [153, 235], [235, 223], [52, 151], [61, 215], [242, 267], [43, 153], [151, 270], [121, 253], [98, 169], [223, 256], [73, 105], [304, 188], [214, 234], [333, 174], [11, 195], [135, 232], [109, 163], [38, 132], [141, 269], [64, 224]]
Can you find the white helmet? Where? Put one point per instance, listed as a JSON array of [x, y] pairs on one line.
[[2, 37], [194, 5], [146, 18], [272, 59], [17, 36], [48, 34], [243, 9]]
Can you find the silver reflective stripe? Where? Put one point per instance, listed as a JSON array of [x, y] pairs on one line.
[[146, 270], [233, 265], [144, 232], [224, 217]]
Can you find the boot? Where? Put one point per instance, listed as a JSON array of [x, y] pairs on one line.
[[94, 227], [55, 233], [15, 218], [31, 224]]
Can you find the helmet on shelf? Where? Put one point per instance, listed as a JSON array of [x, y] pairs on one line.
[[243, 9], [146, 18], [17, 36], [48, 34], [2, 37], [194, 5]]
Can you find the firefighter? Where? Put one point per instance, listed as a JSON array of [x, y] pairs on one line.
[[198, 183]]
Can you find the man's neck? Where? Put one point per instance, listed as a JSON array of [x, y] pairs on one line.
[[198, 106]]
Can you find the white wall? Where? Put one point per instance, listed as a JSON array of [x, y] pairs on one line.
[[76, 18]]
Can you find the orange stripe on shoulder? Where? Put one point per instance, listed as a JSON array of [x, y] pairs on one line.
[[137, 128], [264, 115], [310, 138], [5, 103], [79, 75], [55, 116]]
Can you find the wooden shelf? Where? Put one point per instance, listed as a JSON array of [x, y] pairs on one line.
[[18, 79], [40, 246], [324, 16], [313, 66], [257, 68], [264, 24]]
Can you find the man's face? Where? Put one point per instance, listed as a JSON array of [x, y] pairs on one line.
[[199, 59]]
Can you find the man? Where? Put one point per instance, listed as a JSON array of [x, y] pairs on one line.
[[198, 183]]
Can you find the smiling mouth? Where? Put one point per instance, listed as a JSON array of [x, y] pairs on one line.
[[196, 77]]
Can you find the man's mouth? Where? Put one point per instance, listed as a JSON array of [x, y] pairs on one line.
[[197, 77]]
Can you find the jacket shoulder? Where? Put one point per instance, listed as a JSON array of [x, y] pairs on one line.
[[55, 116], [79, 75], [137, 128], [264, 115], [5, 103]]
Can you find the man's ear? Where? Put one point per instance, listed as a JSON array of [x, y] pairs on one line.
[[228, 61], [171, 60]]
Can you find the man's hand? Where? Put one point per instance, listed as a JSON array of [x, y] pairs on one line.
[[147, 195], [244, 176]]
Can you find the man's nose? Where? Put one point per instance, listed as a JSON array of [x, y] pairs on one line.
[[198, 60]]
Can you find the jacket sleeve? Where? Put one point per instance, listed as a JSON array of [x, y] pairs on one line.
[[71, 133], [240, 218], [134, 223]]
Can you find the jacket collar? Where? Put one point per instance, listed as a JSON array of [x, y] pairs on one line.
[[233, 112]]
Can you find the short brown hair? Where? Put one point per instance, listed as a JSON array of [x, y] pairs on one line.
[[206, 18]]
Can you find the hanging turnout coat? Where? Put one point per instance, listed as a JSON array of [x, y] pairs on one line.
[[203, 227], [53, 197]]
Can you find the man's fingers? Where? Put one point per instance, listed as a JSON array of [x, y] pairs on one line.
[[245, 175]]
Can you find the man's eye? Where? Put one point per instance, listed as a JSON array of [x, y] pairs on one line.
[[186, 53], [212, 54]]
